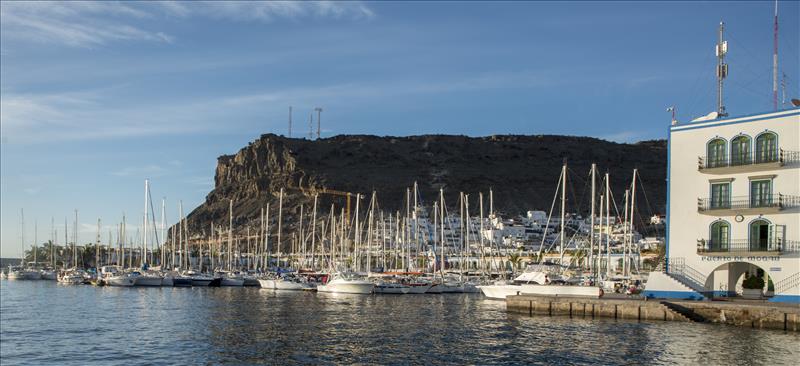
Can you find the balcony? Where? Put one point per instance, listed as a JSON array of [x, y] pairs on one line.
[[739, 164], [747, 205], [746, 246]]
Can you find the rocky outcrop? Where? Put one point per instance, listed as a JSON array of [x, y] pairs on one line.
[[522, 171]]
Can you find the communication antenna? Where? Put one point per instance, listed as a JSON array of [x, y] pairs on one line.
[[290, 121], [672, 109], [311, 126], [319, 115], [783, 89], [775, 62], [722, 68]]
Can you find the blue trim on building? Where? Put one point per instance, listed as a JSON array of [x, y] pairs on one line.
[[689, 127], [795, 299], [682, 295]]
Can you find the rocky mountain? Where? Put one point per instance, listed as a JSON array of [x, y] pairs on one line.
[[522, 171]]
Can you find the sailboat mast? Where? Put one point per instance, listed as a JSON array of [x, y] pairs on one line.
[[563, 213], [480, 204], [280, 218], [775, 61], [230, 234], [608, 224], [633, 209], [163, 231], [441, 215], [591, 218], [144, 232], [625, 236], [97, 247]]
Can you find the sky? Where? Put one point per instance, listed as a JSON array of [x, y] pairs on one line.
[[97, 96]]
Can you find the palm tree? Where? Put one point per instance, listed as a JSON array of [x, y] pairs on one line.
[[515, 259]]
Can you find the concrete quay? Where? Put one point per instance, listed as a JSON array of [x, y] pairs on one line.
[[755, 315]]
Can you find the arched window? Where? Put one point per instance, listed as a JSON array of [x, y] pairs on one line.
[[717, 154], [766, 147], [740, 150], [759, 235], [720, 236]]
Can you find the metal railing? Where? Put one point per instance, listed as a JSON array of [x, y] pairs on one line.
[[787, 283], [679, 270], [780, 201], [772, 156], [746, 245]]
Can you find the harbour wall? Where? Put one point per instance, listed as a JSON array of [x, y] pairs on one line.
[[761, 316]]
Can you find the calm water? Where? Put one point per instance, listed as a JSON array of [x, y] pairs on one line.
[[42, 322]]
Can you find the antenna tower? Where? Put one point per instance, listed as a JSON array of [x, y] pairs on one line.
[[722, 68]]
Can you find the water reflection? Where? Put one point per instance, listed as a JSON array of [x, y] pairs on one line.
[[78, 325]]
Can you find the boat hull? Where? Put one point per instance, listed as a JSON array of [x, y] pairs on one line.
[[232, 282], [181, 282], [419, 288], [392, 290], [148, 281], [359, 287], [167, 281], [49, 275], [500, 292], [120, 281]]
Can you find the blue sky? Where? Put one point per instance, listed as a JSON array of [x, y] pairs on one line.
[[98, 96]]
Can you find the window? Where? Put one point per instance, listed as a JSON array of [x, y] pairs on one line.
[[717, 155], [760, 193], [720, 232], [759, 235], [720, 195], [740, 150], [766, 148]]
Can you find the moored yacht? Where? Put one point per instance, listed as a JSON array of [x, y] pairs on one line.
[[347, 283]]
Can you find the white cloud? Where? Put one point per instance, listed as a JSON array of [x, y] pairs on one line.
[[78, 24], [96, 23]]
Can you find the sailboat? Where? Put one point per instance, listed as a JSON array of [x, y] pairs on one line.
[[347, 283]]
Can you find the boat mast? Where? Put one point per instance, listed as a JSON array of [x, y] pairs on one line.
[[441, 215], [163, 231], [357, 236], [591, 220], [625, 236], [483, 262], [608, 225], [600, 237], [416, 223], [181, 248], [75, 241], [314, 231], [280, 208], [563, 213], [144, 232], [301, 244], [230, 234], [97, 247], [633, 209], [370, 236]]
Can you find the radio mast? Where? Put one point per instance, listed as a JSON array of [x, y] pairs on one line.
[[722, 68], [775, 62], [319, 115]]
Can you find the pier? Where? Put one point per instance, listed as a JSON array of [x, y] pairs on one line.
[[755, 315]]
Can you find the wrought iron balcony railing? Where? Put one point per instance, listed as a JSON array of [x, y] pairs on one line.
[[774, 156], [747, 245], [779, 201]]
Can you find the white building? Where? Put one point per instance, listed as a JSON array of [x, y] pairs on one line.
[[733, 207]]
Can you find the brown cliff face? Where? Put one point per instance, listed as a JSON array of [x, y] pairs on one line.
[[522, 171]]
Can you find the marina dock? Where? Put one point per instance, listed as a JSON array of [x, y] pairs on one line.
[[755, 315]]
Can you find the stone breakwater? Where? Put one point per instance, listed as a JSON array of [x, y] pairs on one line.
[[754, 315]]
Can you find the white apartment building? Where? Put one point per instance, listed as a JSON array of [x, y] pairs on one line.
[[733, 207]]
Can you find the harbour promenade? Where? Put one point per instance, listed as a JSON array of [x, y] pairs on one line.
[[759, 315]]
